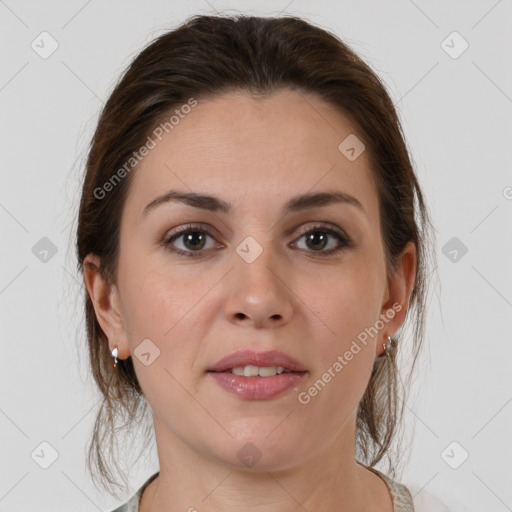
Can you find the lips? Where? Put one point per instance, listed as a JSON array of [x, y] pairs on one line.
[[261, 359]]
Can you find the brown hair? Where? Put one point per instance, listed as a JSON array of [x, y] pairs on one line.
[[204, 56]]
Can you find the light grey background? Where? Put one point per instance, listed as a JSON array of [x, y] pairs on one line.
[[457, 117]]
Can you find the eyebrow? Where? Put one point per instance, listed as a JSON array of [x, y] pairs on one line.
[[215, 204]]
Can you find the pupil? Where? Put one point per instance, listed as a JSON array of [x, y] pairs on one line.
[[191, 236], [313, 236]]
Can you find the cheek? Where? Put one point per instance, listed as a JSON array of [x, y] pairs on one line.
[[165, 316], [346, 303], [155, 299], [167, 309], [345, 363]]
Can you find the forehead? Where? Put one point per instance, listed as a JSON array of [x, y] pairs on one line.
[[267, 147]]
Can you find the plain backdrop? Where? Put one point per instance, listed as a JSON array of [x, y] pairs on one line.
[[447, 67]]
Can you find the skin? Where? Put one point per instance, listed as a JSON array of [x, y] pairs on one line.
[[255, 153]]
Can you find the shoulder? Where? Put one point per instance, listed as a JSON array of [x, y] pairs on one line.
[[411, 497], [425, 502], [132, 505]]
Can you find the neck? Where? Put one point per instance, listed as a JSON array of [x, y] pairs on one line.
[[331, 480]]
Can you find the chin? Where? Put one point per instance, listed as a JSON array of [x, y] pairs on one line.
[[261, 451]]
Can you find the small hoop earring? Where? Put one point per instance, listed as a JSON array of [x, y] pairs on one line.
[[114, 355], [387, 348]]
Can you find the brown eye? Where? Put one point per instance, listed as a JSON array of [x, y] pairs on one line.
[[317, 240], [319, 237], [193, 239]]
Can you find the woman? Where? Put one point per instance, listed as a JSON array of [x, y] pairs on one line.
[[252, 236]]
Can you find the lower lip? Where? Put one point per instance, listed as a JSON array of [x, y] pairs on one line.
[[257, 388]]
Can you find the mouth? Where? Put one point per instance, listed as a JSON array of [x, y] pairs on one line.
[[257, 375], [257, 371], [248, 363]]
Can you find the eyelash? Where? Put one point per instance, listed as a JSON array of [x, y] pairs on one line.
[[200, 228]]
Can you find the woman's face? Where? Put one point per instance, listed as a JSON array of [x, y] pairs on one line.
[[258, 276]]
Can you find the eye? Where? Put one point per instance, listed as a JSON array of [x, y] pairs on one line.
[[193, 237], [317, 237]]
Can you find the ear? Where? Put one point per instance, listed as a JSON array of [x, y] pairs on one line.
[[398, 291], [105, 299]]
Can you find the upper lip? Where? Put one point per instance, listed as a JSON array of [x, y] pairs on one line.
[[249, 357]]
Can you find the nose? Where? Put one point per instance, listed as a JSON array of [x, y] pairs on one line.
[[258, 293]]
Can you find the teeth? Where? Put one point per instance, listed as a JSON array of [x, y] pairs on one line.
[[261, 371]]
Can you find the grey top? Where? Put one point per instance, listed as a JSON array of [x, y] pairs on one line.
[[402, 499]]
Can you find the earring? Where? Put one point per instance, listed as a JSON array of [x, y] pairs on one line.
[[391, 344], [114, 354], [387, 348]]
